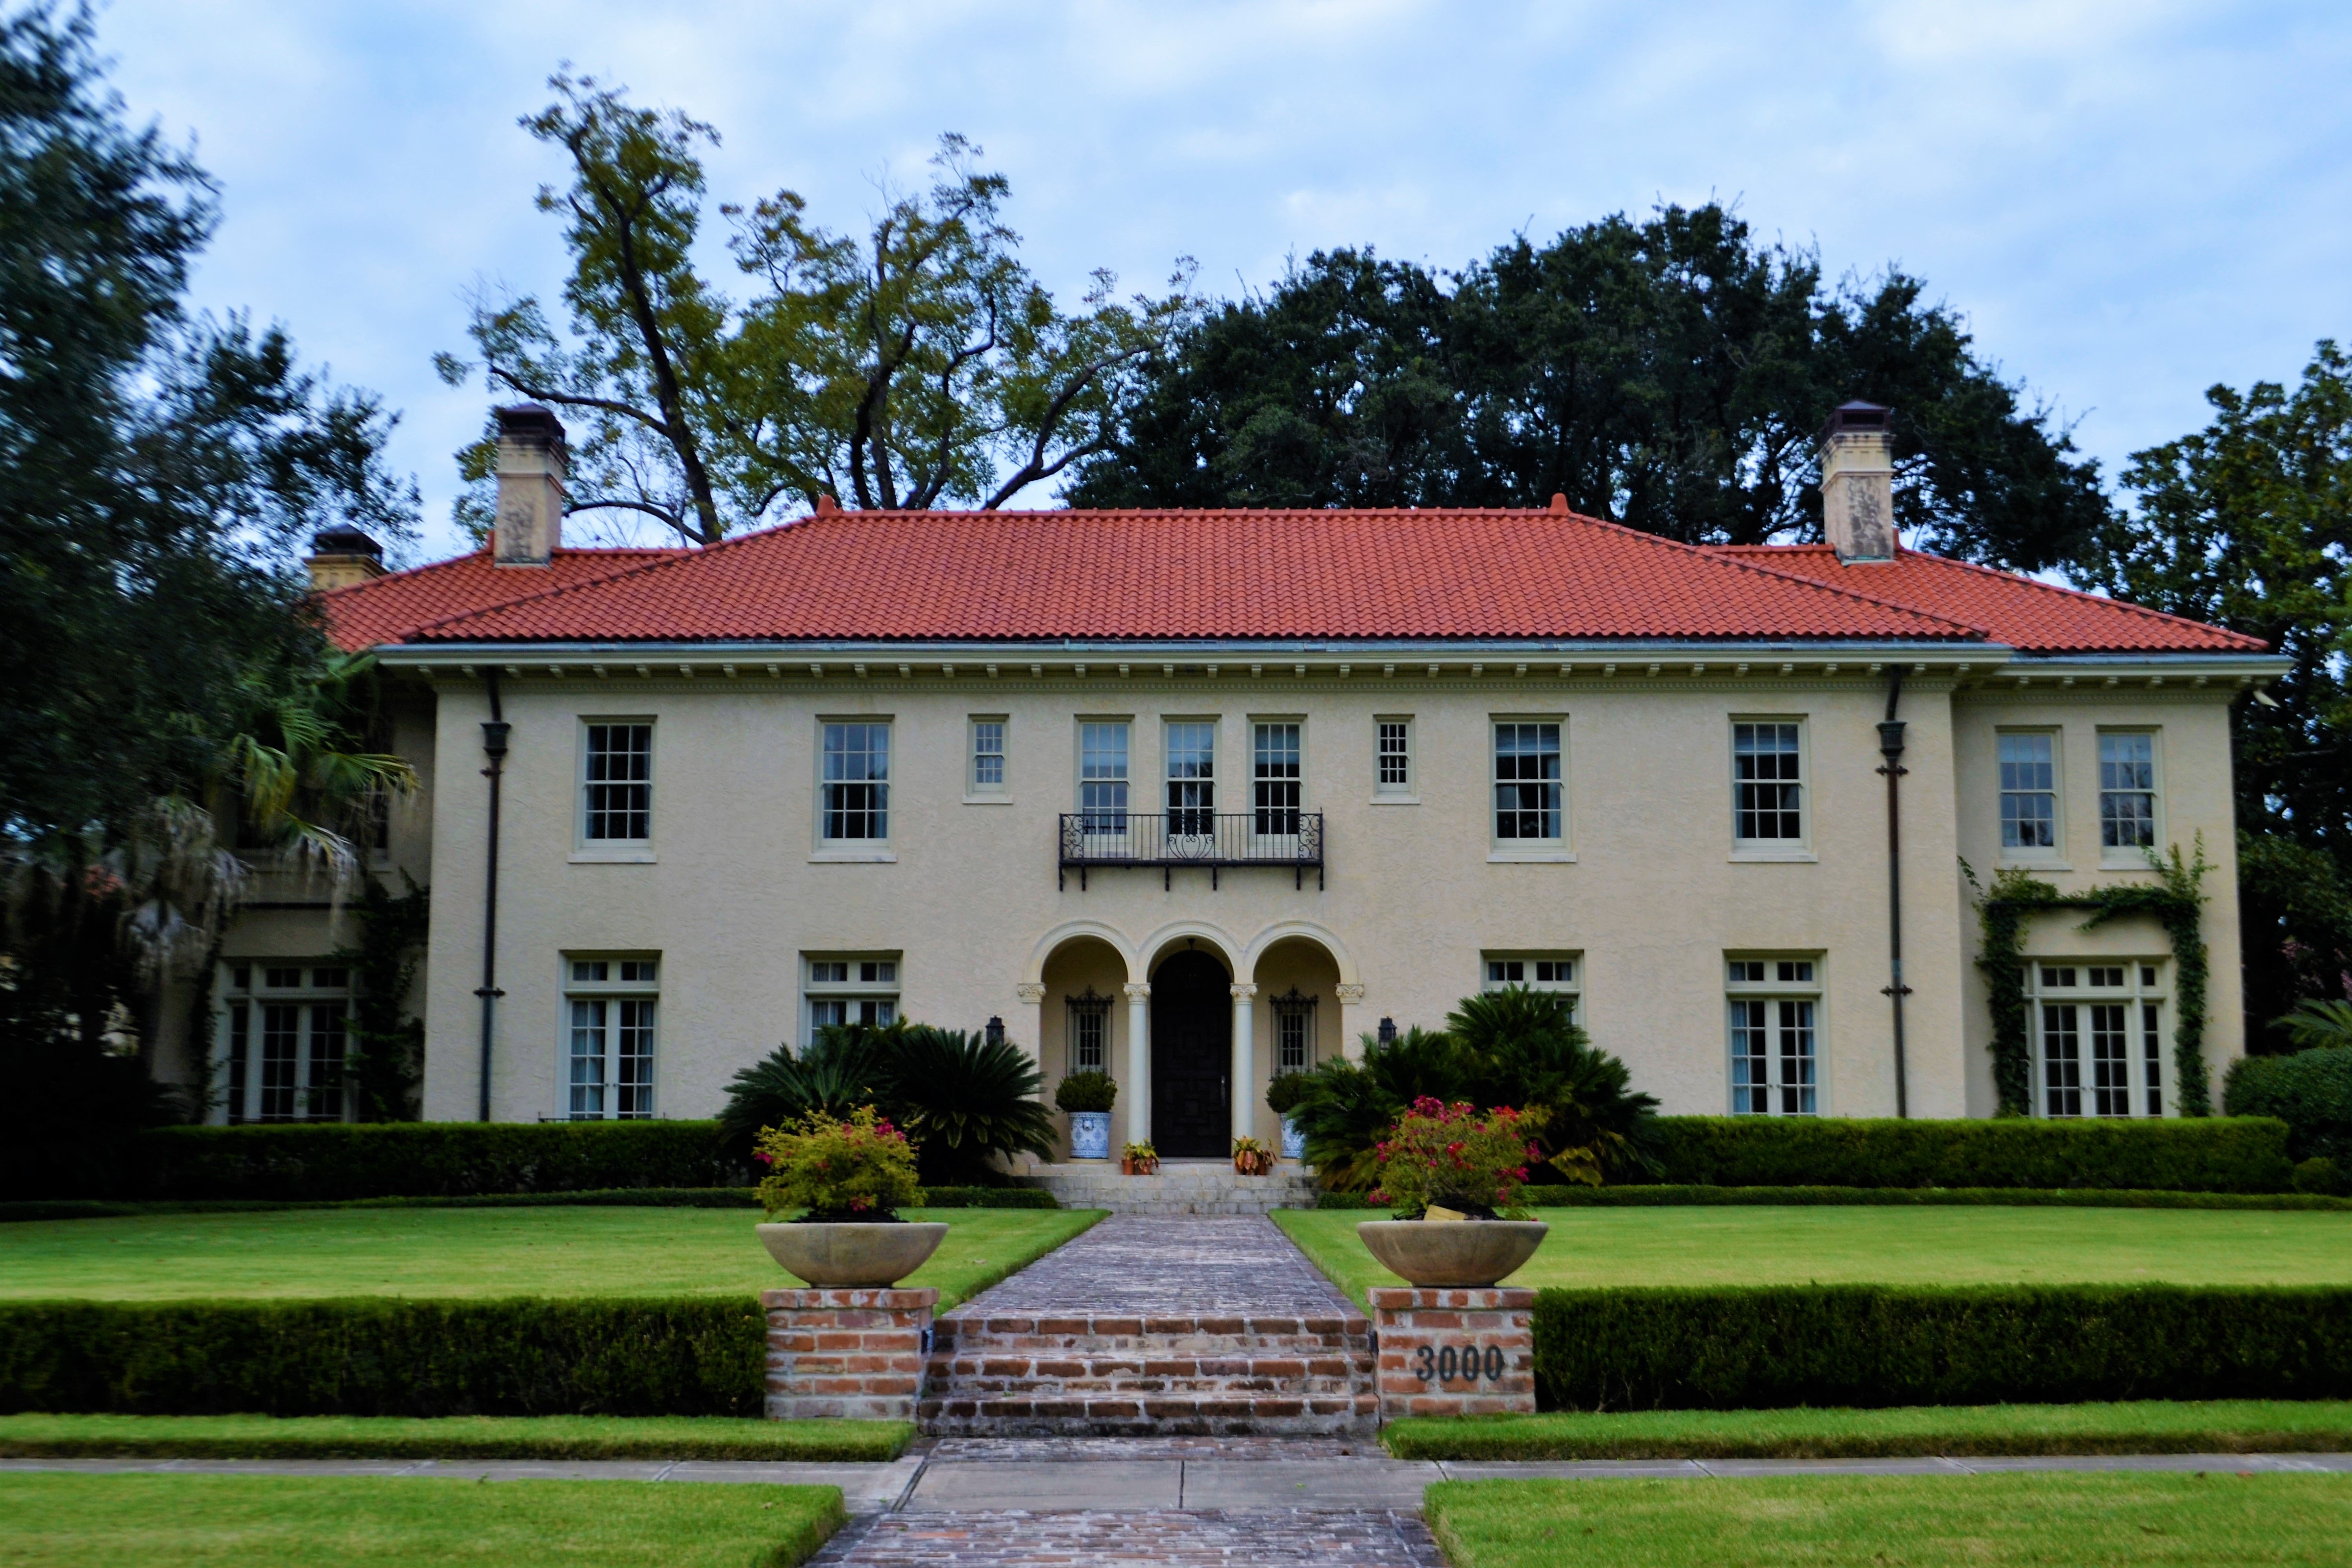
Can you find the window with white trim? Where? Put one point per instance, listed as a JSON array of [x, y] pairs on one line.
[[1102, 776], [610, 1004], [849, 988], [1768, 782], [2098, 1035], [617, 781], [1191, 752], [855, 804], [1275, 778], [1294, 1031], [1089, 1031], [2029, 792], [2127, 790], [1775, 1006], [1528, 782], [1392, 755], [987, 774], [1558, 971], [284, 1042]]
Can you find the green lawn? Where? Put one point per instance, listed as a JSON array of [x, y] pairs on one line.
[[1591, 1247], [449, 1437], [181, 1521], [2134, 1427], [1919, 1521], [472, 1252]]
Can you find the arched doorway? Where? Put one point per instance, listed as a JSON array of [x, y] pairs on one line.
[[1191, 1057]]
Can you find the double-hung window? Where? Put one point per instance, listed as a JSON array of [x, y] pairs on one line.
[[2127, 793], [1768, 782], [2029, 793], [610, 1003], [1103, 777], [1554, 972], [2098, 1036], [1274, 780], [1775, 1006], [986, 779], [850, 989], [284, 1042], [856, 783], [1392, 758], [1191, 780], [1528, 782], [616, 782]]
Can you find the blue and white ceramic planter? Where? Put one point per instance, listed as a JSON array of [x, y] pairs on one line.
[[1089, 1134], [1293, 1140]]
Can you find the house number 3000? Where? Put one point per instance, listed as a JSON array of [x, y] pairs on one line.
[[1468, 1364]]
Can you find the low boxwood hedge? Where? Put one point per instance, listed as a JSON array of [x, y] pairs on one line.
[[2208, 1154], [2311, 1091], [1872, 1346], [1852, 1197], [531, 1356]]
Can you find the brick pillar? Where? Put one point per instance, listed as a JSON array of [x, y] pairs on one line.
[[846, 1352], [1455, 1351]]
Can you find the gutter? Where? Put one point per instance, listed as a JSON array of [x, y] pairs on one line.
[[494, 747], [1890, 747]]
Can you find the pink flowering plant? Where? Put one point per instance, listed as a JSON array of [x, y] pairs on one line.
[[860, 1168], [1457, 1157]]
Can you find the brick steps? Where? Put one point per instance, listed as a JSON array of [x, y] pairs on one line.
[[1124, 1374]]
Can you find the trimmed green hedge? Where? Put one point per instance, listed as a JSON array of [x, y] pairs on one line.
[[2311, 1091], [1859, 1197], [1872, 1345], [529, 1356], [986, 1198], [2209, 1155], [326, 1160], [608, 1197]]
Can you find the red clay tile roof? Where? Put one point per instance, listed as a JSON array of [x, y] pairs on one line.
[[390, 609], [1184, 575], [2030, 615], [1174, 575]]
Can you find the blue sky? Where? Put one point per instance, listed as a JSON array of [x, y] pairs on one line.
[[2128, 202]]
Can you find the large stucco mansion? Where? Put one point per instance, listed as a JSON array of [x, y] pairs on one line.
[[1197, 797]]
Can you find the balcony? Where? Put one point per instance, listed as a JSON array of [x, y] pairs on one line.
[[1170, 839]]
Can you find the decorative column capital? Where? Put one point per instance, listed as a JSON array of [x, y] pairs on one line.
[[1029, 990], [1138, 989], [1243, 990], [1349, 995]]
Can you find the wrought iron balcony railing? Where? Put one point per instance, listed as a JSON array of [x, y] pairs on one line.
[[1170, 839]]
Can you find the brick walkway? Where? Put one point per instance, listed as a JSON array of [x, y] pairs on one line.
[[1371, 1538], [1241, 1267]]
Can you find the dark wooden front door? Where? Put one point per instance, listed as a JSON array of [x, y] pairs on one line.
[[1192, 1058]]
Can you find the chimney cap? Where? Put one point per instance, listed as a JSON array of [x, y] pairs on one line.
[[1857, 416], [529, 419], [342, 539]]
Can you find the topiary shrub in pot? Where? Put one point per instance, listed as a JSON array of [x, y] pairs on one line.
[[1087, 1098], [1453, 1173], [849, 1177], [1282, 1097]]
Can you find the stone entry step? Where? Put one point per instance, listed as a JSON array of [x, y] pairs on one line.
[[1210, 1188], [1116, 1374]]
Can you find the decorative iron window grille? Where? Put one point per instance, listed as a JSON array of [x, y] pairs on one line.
[[1089, 1031], [1294, 1031]]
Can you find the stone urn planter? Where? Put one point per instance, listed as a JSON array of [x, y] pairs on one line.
[[851, 1253], [1468, 1253], [1089, 1134], [1293, 1140]]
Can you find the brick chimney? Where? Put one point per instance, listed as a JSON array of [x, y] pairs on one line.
[[341, 556], [532, 466], [1858, 483]]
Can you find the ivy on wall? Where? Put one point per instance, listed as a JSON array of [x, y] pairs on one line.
[[2174, 900], [386, 1061]]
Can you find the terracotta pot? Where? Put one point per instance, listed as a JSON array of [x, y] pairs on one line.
[[1138, 1167], [1459, 1253], [1253, 1165], [855, 1253]]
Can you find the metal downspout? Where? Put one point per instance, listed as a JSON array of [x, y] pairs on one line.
[[494, 747], [1890, 746]]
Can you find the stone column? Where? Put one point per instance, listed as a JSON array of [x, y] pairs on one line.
[[854, 1353], [1244, 1060], [1028, 1030], [1138, 1061], [1351, 1021], [1455, 1351]]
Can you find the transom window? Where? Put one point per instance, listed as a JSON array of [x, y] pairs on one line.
[[2098, 1037], [1527, 780], [612, 1004], [1535, 971], [2128, 790], [850, 989], [1775, 1006], [1192, 778], [2029, 792], [1767, 766], [616, 784], [1275, 779], [1393, 755], [283, 1044], [1089, 1031], [856, 783], [987, 756], [1102, 776]]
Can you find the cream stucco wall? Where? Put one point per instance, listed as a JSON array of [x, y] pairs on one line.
[[1648, 890]]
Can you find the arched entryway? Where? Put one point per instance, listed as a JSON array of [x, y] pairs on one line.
[[1191, 1057]]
